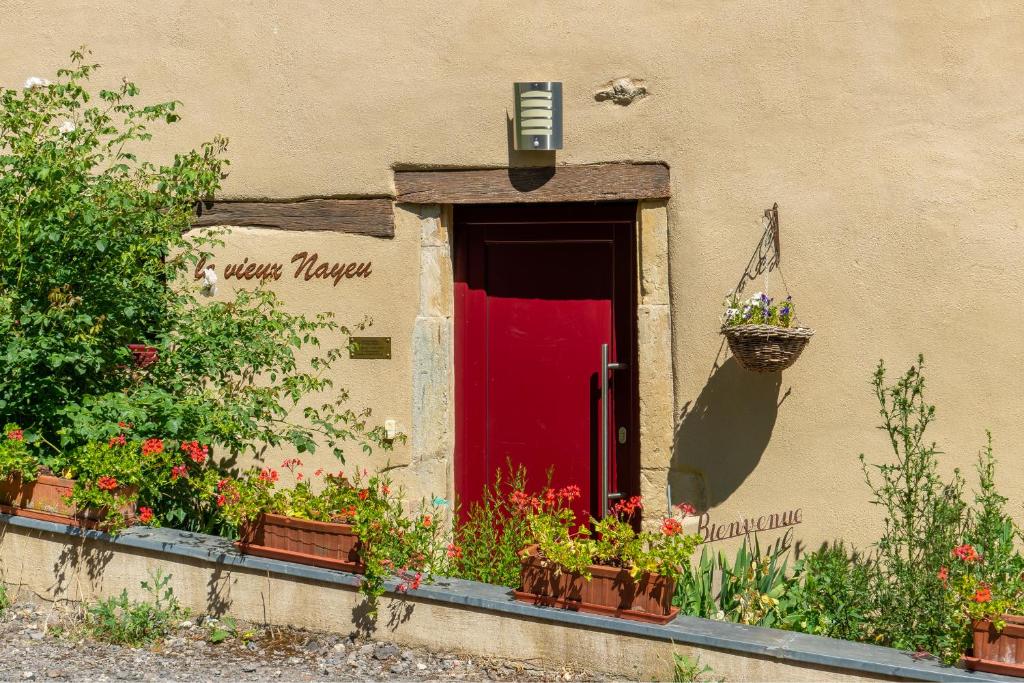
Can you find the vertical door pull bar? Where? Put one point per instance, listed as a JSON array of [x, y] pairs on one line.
[[606, 369]]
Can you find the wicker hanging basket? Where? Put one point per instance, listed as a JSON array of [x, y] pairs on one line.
[[766, 348]]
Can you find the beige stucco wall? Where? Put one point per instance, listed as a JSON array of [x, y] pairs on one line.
[[889, 134]]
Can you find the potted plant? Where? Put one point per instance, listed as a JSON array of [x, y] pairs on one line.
[[346, 525], [761, 332], [97, 486], [613, 570], [987, 603]]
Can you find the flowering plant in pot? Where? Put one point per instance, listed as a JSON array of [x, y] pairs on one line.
[[333, 521], [986, 604], [610, 569], [762, 333]]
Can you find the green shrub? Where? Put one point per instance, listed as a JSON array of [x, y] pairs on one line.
[[828, 596], [925, 517], [5, 600], [98, 255], [486, 543], [126, 622]]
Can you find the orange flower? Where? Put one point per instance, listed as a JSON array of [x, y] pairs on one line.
[[686, 509], [671, 527], [152, 446], [966, 552], [107, 483], [943, 575], [427, 521], [983, 594], [145, 515], [16, 435], [364, 494], [454, 551]]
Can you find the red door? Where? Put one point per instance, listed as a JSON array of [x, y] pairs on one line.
[[539, 289]]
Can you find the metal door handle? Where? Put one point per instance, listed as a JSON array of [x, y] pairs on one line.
[[606, 369]]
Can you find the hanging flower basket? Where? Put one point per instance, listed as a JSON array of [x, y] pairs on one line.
[[766, 348]]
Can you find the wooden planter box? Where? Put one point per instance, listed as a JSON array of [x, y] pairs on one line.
[[611, 591], [44, 499], [998, 652], [322, 544]]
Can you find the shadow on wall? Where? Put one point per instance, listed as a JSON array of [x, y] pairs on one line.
[[721, 436]]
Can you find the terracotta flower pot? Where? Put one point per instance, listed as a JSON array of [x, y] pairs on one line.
[[611, 591], [44, 499], [322, 544], [998, 652]]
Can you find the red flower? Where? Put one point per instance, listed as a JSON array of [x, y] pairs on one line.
[[221, 500], [118, 440], [966, 552], [385, 489], [571, 492], [364, 494], [107, 483], [268, 474], [549, 496], [454, 551], [16, 435], [943, 575], [145, 515], [983, 594], [628, 506], [298, 477], [671, 527], [524, 502], [195, 451], [686, 509], [427, 521], [221, 484], [152, 447], [125, 425], [179, 472], [319, 472]]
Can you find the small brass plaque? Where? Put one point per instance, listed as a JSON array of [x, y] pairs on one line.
[[370, 348]]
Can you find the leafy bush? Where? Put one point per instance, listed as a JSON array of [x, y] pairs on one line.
[[5, 600], [690, 669], [925, 516], [16, 456], [487, 542], [828, 594], [97, 257], [127, 622]]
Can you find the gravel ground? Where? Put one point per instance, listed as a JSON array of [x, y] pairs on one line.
[[45, 642]]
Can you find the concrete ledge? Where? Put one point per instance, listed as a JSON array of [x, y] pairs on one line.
[[59, 562]]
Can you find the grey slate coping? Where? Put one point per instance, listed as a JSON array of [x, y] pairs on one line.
[[787, 646]]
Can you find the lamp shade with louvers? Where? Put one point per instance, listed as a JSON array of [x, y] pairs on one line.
[[538, 116]]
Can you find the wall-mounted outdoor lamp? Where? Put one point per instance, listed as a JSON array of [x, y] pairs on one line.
[[538, 116]]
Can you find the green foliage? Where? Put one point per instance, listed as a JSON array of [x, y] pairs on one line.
[[91, 236], [925, 516], [984, 576], [5, 600], [751, 589], [97, 257], [127, 622], [687, 669], [828, 595], [613, 540], [220, 630], [486, 545], [393, 543]]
